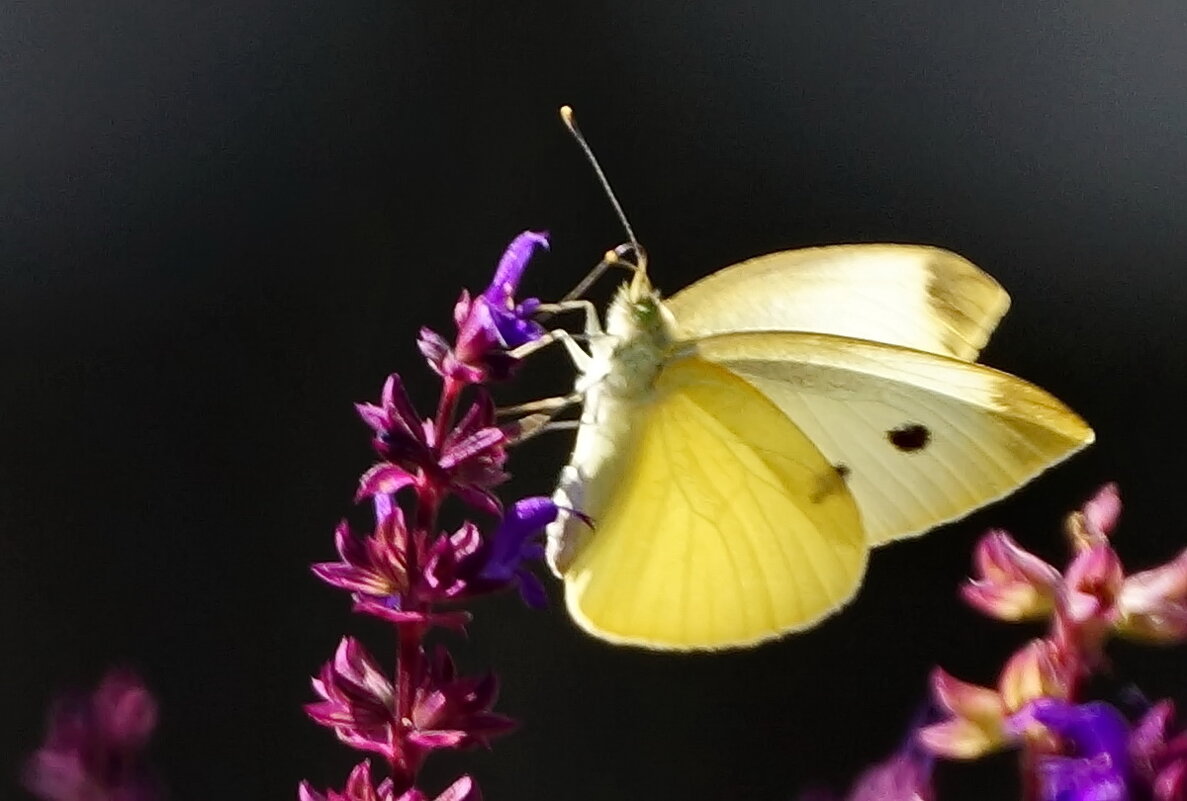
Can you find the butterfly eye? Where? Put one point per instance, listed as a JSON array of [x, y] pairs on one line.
[[645, 309]]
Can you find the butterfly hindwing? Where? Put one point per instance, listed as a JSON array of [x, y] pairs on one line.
[[727, 525]]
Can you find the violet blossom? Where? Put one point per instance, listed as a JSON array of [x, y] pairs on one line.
[[413, 575]]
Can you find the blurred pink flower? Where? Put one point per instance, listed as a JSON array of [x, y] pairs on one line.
[[93, 746]]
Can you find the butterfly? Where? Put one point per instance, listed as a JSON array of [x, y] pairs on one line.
[[744, 444]]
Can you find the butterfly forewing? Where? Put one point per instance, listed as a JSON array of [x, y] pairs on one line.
[[911, 295]]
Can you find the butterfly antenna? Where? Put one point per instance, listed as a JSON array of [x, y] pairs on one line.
[[614, 257]]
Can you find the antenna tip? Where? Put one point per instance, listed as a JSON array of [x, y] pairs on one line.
[[567, 116]]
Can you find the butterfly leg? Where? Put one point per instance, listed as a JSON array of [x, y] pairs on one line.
[[581, 359], [535, 424], [593, 326], [549, 405]]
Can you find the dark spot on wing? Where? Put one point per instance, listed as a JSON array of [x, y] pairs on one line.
[[830, 484], [909, 437]]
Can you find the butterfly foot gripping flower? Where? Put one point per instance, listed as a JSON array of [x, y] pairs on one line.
[[93, 750], [411, 574]]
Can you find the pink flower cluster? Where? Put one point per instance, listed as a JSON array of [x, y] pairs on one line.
[[1072, 750], [414, 576]]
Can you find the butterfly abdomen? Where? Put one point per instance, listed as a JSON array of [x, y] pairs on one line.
[[617, 387]]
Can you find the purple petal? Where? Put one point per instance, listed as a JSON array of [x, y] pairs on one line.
[[1093, 729], [434, 348], [531, 590], [383, 479], [396, 398], [515, 259], [515, 329], [438, 739], [464, 789], [471, 446], [511, 540], [1075, 779]]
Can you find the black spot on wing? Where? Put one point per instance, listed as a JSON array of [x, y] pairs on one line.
[[909, 437], [831, 483]]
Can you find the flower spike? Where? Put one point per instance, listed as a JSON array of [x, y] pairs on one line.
[[414, 576]]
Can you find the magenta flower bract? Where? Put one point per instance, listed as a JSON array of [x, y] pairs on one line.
[[359, 787], [412, 575], [94, 744], [359, 700], [1072, 749], [467, 461], [453, 712]]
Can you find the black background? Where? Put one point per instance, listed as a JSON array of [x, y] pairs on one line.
[[223, 223]]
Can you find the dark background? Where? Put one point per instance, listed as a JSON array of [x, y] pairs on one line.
[[223, 224]]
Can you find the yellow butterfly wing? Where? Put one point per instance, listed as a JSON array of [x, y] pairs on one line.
[[723, 525], [921, 439], [915, 296]]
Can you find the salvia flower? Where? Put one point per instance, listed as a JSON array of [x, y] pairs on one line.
[[358, 700], [1072, 748], [1100, 756], [1011, 584], [411, 574], [454, 712], [977, 716], [359, 787], [456, 567], [1091, 761], [94, 746], [491, 324], [467, 460]]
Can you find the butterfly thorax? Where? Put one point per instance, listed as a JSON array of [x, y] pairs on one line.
[[639, 332], [618, 382]]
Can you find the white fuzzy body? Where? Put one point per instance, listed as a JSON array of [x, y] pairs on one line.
[[625, 361]]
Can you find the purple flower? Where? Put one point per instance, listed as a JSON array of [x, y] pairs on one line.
[[511, 320], [92, 751], [467, 461], [375, 570], [513, 544], [358, 701], [1094, 763], [453, 712], [490, 324], [453, 567], [414, 577], [376, 565], [359, 787]]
